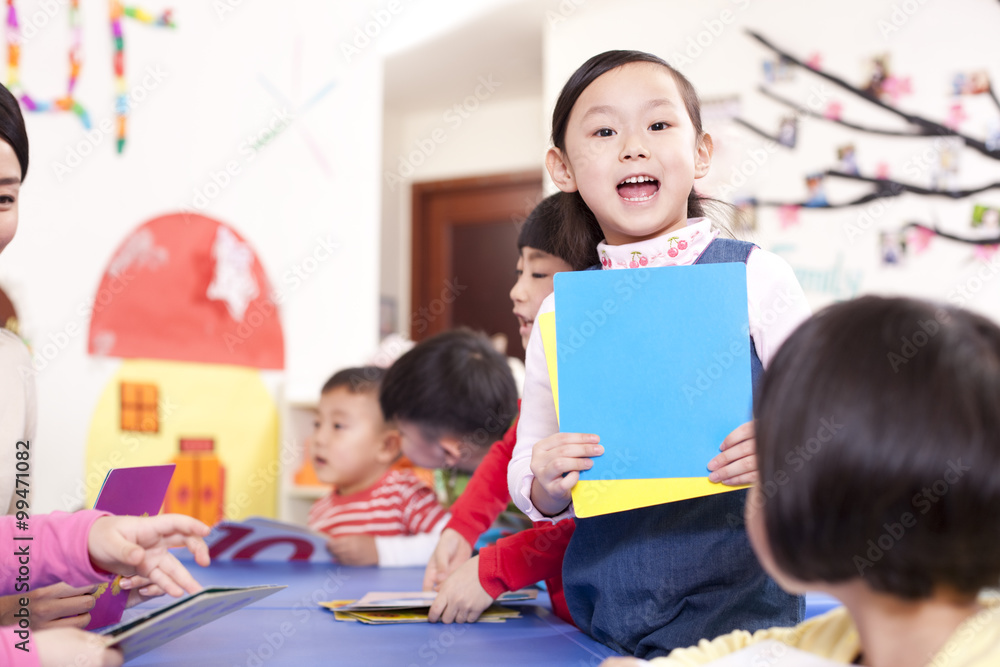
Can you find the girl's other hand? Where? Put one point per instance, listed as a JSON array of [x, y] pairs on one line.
[[451, 551], [56, 606], [461, 598], [737, 464], [72, 646], [130, 545], [556, 462]]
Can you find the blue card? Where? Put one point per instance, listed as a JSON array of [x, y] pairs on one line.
[[656, 362]]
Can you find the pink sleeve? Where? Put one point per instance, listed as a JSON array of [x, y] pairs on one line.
[[10, 654], [52, 549]]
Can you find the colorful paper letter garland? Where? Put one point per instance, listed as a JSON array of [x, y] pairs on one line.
[[69, 102]]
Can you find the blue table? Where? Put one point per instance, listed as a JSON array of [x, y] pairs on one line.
[[289, 627]]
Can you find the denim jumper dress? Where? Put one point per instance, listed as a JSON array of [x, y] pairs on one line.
[[650, 580]]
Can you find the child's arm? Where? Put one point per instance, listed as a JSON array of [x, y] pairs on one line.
[[476, 509], [512, 563], [535, 479]]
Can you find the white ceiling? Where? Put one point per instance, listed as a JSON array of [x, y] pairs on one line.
[[505, 43]]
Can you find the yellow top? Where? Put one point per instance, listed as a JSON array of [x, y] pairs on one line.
[[975, 643]]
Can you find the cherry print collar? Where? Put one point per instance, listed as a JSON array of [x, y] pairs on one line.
[[677, 248]]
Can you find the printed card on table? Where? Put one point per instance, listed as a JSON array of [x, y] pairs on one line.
[[657, 363], [127, 492], [143, 634]]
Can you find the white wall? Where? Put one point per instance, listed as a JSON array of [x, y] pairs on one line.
[[928, 41], [319, 178]]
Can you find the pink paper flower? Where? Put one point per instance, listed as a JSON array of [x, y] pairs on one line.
[[788, 216], [918, 238]]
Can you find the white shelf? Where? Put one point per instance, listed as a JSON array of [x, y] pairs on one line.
[[294, 500]]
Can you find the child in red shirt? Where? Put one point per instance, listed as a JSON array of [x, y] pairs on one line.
[[375, 515], [466, 586]]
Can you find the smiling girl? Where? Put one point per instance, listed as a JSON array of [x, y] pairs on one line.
[[628, 148]]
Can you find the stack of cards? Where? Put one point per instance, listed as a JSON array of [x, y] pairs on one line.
[[389, 608]]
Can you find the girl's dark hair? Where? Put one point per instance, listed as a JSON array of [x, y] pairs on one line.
[[542, 227], [878, 446], [578, 237], [12, 128]]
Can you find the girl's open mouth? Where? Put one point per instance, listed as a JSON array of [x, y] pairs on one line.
[[638, 188]]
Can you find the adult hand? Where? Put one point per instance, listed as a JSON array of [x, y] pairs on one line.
[[130, 545], [56, 606]]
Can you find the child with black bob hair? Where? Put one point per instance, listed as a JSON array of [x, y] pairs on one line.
[[451, 397], [878, 445]]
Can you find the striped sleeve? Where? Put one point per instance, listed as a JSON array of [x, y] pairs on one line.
[[421, 509]]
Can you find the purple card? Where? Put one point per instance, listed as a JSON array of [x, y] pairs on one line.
[[127, 492]]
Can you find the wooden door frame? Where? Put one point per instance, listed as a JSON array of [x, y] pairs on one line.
[[423, 251]]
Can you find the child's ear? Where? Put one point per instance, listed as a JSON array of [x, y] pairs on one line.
[[703, 155], [391, 446], [560, 170], [453, 450]]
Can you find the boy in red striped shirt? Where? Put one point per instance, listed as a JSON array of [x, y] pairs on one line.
[[375, 515]]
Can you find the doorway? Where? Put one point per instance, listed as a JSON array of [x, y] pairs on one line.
[[465, 253]]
